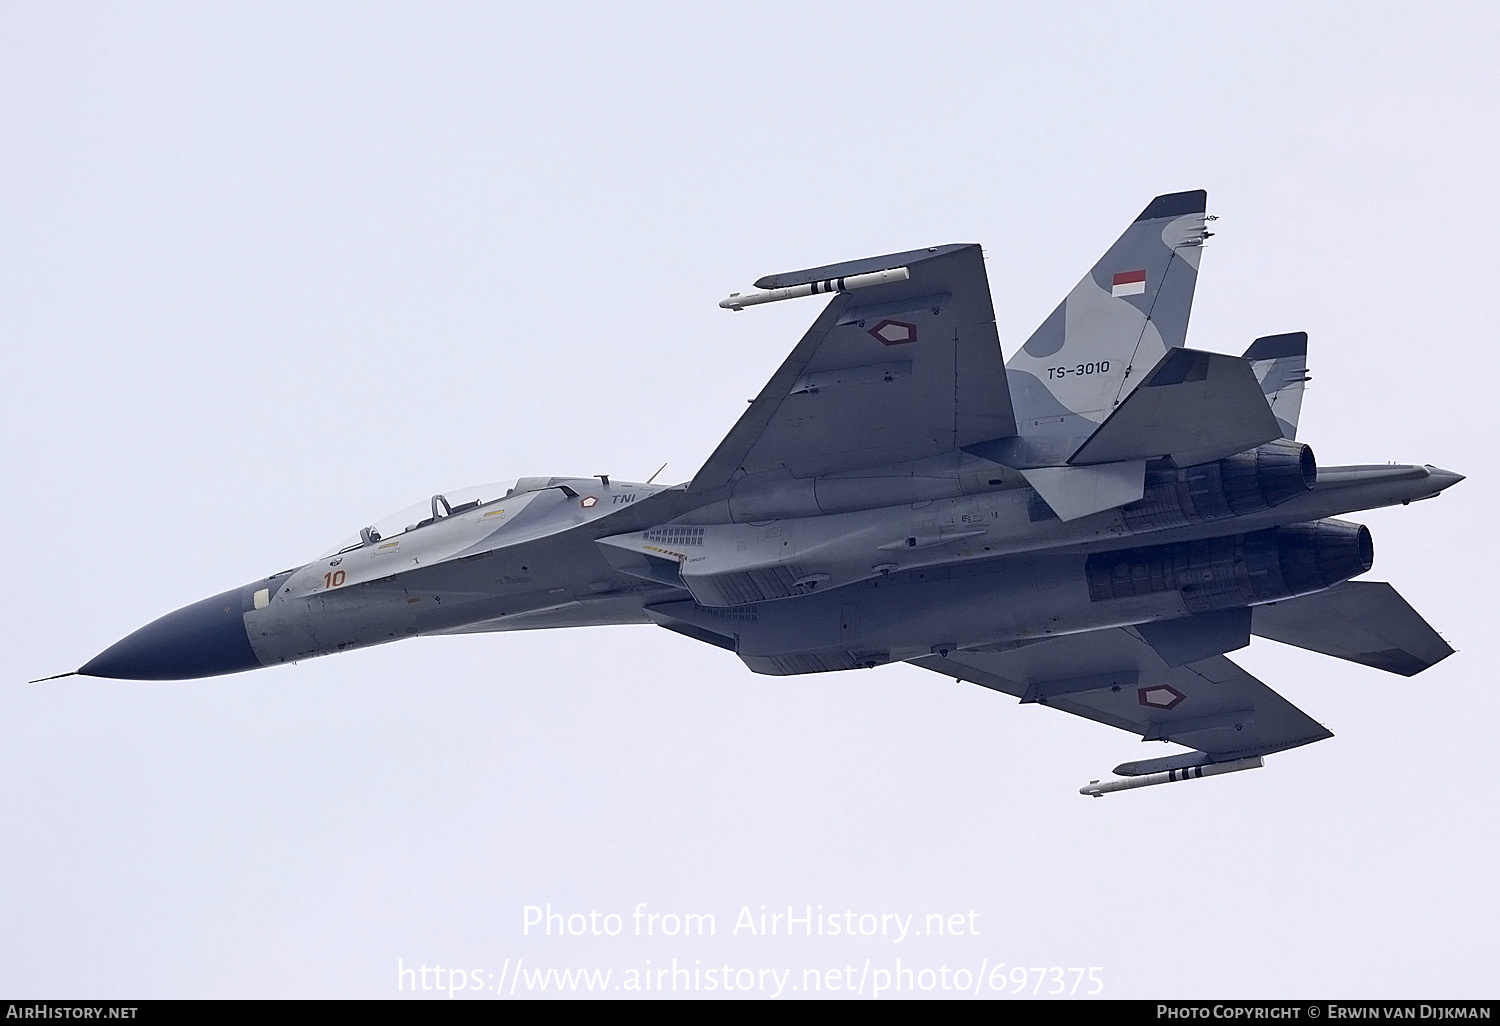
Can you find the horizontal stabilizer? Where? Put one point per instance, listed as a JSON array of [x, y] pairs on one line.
[[1366, 622], [1193, 406], [1075, 492]]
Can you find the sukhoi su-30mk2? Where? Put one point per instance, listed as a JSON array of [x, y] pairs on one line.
[[1091, 525]]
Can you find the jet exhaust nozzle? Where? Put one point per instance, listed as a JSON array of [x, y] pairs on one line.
[[1246, 482], [1323, 553], [1268, 475], [1237, 570]]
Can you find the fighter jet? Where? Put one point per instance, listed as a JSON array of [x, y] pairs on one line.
[[1090, 526]]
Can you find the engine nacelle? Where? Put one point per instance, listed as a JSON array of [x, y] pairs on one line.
[[1244, 483], [1237, 570]]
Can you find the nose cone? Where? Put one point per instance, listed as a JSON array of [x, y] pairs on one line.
[[204, 639]]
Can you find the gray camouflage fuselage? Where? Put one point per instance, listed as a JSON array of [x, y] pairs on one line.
[[983, 572], [1091, 525]]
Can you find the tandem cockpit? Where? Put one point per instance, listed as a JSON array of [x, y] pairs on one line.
[[451, 505], [436, 509]]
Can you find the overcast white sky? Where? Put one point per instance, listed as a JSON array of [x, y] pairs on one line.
[[269, 271]]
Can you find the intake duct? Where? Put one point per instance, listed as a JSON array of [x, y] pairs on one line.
[[1244, 483], [1237, 570]]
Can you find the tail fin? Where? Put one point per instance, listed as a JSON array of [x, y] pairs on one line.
[[1116, 324], [1280, 364]]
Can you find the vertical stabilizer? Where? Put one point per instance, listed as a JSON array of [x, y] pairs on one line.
[[1113, 327], [1280, 364]]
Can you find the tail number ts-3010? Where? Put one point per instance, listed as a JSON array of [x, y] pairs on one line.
[[1102, 367]]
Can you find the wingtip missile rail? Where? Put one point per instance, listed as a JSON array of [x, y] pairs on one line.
[[1098, 789], [738, 301]]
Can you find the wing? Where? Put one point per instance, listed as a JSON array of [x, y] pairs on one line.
[[886, 374], [1114, 677]]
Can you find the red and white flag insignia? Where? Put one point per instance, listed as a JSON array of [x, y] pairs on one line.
[[1128, 283]]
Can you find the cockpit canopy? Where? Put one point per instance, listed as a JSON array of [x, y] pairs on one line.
[[439, 507], [447, 504]]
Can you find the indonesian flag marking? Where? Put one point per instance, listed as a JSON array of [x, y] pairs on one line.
[[1128, 283]]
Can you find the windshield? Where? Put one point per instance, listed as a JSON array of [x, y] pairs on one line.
[[420, 514]]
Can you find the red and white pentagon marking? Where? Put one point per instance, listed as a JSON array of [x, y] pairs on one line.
[[1160, 696], [589, 501], [894, 333]]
